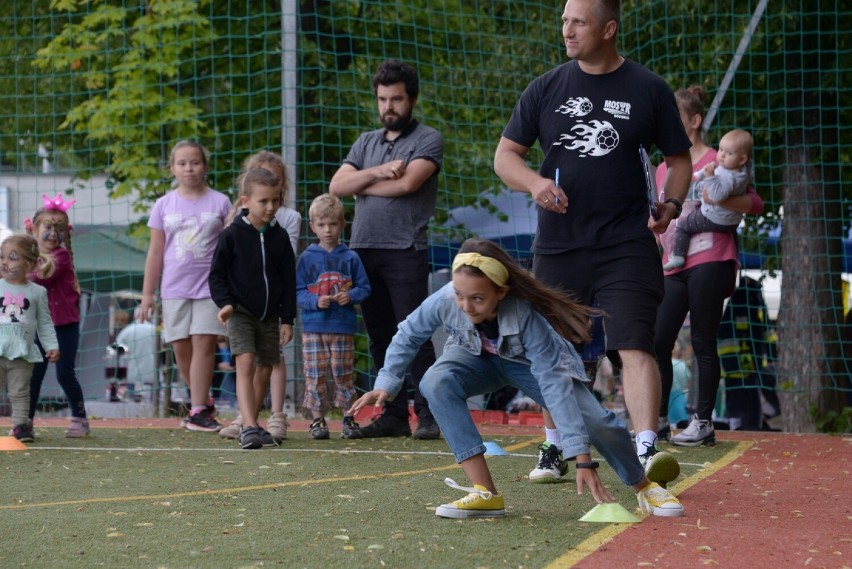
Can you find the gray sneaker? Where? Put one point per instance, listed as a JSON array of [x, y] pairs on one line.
[[250, 438], [319, 430], [277, 425], [351, 429], [699, 432], [78, 428]]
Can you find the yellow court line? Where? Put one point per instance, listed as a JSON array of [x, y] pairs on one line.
[[210, 492], [596, 540]]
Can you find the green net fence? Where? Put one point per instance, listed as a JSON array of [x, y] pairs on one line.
[[93, 94]]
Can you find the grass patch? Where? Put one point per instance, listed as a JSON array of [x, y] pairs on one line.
[[172, 498]]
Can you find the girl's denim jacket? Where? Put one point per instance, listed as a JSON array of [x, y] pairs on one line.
[[525, 337]]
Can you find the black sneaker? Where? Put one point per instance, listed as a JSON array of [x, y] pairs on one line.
[[386, 426], [319, 430], [203, 422], [250, 438], [351, 430], [427, 429], [268, 439], [24, 433]]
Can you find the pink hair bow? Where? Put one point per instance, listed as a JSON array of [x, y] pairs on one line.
[[57, 203], [13, 299]]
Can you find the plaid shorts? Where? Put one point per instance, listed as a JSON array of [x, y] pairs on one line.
[[327, 355]]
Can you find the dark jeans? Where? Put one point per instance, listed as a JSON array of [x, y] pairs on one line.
[[400, 283], [68, 336], [701, 292]]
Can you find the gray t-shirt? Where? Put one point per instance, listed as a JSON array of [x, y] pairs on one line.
[[395, 223]]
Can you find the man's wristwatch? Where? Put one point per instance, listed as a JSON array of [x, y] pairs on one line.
[[678, 206]]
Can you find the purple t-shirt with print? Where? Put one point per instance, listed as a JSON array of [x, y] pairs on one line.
[[191, 228]]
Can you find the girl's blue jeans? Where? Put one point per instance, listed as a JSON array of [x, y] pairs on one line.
[[459, 374]]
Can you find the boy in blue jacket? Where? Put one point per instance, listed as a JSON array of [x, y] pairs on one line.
[[330, 281], [253, 282]]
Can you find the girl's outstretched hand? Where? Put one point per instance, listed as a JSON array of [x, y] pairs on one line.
[[375, 397], [589, 477]]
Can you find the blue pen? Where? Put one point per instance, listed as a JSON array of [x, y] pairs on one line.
[[556, 180]]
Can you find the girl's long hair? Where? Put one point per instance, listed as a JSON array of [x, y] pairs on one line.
[[567, 316]]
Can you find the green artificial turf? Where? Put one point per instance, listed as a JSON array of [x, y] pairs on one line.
[[174, 499]]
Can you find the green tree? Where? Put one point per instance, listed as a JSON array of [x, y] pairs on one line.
[[129, 59]]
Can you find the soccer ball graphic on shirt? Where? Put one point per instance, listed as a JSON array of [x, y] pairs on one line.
[[595, 138]]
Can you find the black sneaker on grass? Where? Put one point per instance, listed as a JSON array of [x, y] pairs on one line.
[[24, 433], [202, 422], [427, 429], [351, 430], [319, 430], [267, 438], [386, 426], [250, 438]]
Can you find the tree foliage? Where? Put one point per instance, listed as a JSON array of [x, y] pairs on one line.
[[129, 59]]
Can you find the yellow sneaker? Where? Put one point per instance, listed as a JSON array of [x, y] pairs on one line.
[[480, 503], [653, 499]]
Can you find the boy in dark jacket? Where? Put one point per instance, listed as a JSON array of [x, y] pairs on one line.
[[253, 282]]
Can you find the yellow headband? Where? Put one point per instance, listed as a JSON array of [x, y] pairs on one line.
[[491, 267]]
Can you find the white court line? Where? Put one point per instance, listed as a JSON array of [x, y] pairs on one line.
[[288, 449]]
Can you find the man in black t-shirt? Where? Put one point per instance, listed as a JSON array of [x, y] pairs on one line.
[[596, 225]]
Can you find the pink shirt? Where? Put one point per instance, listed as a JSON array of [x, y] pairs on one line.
[[191, 229], [62, 295], [703, 247]]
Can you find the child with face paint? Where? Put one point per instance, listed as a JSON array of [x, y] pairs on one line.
[[24, 312], [506, 328], [51, 229]]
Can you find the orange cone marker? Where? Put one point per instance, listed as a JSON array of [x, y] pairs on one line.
[[11, 443]]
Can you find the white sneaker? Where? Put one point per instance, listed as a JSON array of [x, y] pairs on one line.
[[551, 467], [698, 433], [232, 431]]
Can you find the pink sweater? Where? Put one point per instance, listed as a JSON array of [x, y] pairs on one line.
[[64, 300]]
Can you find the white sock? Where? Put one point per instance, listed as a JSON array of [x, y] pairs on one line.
[[552, 436], [644, 441]]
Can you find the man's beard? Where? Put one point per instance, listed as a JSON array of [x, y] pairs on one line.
[[396, 123]]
